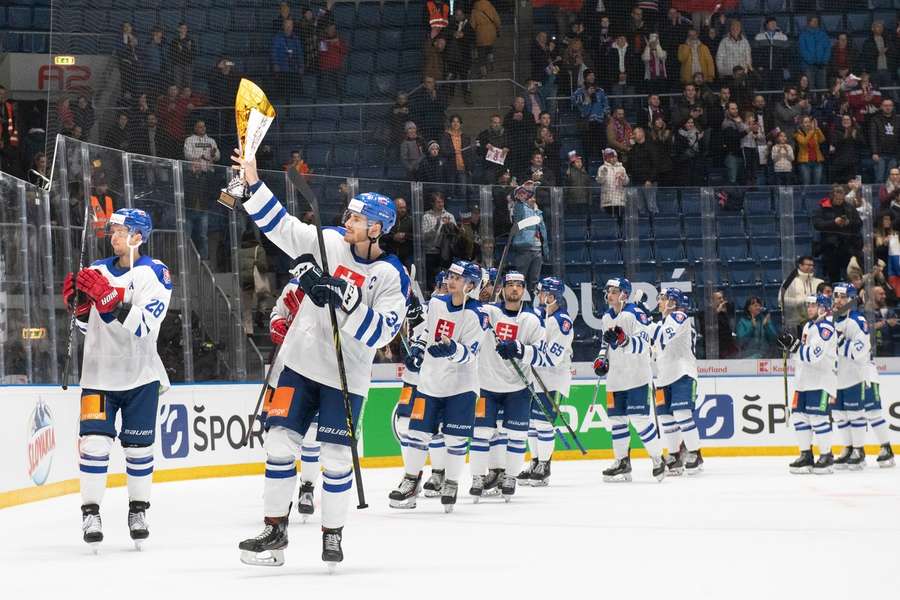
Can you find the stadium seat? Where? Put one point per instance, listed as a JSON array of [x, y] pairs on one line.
[[171, 18], [758, 202], [752, 24], [65, 19], [387, 61], [394, 14], [693, 227], [606, 252], [694, 248], [356, 86], [368, 15], [667, 228], [576, 275], [217, 20], [832, 22], [646, 251], [667, 202], [40, 19], [749, 7], [888, 17], [328, 112], [19, 17], [372, 155], [646, 272], [742, 273], [762, 226], [411, 59], [344, 155], [195, 19], [361, 61], [413, 38], [859, 22], [728, 227], [365, 39], [733, 249], [764, 248], [391, 39], [384, 86], [690, 203], [344, 15], [574, 230], [771, 272], [575, 253], [669, 250], [644, 229], [604, 229], [2, 16], [212, 43]]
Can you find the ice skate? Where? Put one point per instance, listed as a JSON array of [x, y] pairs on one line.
[[448, 495], [885, 458], [803, 464], [508, 487], [305, 504], [619, 471], [137, 522], [825, 464], [267, 548], [674, 466], [492, 482], [524, 478], [332, 553], [659, 468], [693, 462], [856, 460], [477, 488], [405, 494], [840, 463], [432, 487], [92, 526], [540, 475]]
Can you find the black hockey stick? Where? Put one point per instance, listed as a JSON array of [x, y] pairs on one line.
[[516, 228], [273, 356], [300, 185], [74, 302]]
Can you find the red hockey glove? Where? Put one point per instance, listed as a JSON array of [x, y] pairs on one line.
[[104, 296], [277, 330]]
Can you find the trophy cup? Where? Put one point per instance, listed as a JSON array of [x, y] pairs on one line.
[[253, 114]]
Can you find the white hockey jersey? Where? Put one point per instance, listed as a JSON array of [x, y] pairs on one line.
[[466, 325], [416, 339], [384, 285], [498, 374], [815, 358], [854, 350], [673, 343], [280, 311], [558, 336], [122, 356], [629, 364]]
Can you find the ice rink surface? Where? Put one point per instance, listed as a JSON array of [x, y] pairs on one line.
[[743, 528]]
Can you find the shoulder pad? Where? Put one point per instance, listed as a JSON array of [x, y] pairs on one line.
[[826, 330], [860, 321], [609, 312], [106, 262], [564, 322], [679, 317], [639, 315], [395, 262], [294, 281], [340, 230], [159, 268]]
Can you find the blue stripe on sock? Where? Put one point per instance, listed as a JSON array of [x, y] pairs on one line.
[[309, 459], [281, 474], [93, 469], [139, 461], [139, 472], [97, 458], [877, 423], [336, 488]]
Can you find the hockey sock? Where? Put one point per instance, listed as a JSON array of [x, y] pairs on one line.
[[337, 481], [93, 463], [515, 452], [309, 461], [456, 456], [545, 441], [403, 435], [822, 428], [282, 446], [802, 430], [878, 425], [648, 433], [671, 432], [841, 428], [620, 436], [478, 456], [437, 452], [688, 428], [139, 472], [416, 453], [498, 451], [533, 439], [857, 420]]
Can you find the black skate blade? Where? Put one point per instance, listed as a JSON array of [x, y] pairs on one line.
[[886, 464], [267, 558]]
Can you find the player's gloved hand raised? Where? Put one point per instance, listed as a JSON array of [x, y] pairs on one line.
[[97, 287], [601, 366], [444, 349], [615, 337], [277, 330], [414, 312], [413, 361], [340, 293], [292, 302], [510, 349], [787, 342]]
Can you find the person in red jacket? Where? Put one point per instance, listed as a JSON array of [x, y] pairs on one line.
[[332, 51]]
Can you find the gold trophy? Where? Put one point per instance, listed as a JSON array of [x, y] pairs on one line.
[[253, 114]]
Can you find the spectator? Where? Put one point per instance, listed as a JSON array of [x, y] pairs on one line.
[[200, 147], [434, 63], [332, 51], [846, 146], [427, 109], [810, 161], [864, 101], [307, 28], [459, 54], [756, 151], [842, 59], [126, 36], [83, 112], [182, 53], [889, 194], [717, 109], [878, 56], [799, 285], [695, 57], [411, 152], [38, 175], [741, 88], [786, 114], [255, 286], [618, 134], [298, 164], [622, 70], [672, 33], [724, 309], [399, 241], [578, 185], [884, 229], [543, 54], [711, 38], [839, 228], [755, 332], [489, 139], [886, 322], [538, 173], [733, 131], [884, 132], [130, 70], [815, 52], [878, 278], [155, 65], [468, 241], [438, 226], [805, 91], [661, 139], [592, 105], [642, 170], [547, 145], [637, 30], [486, 23], [538, 96], [519, 135], [437, 14], [782, 155], [284, 14], [456, 148], [433, 169], [223, 86], [689, 154], [117, 137], [705, 93], [612, 179], [648, 114], [153, 140], [530, 246], [734, 50], [770, 51], [102, 204], [399, 118], [287, 60], [762, 113], [197, 203], [689, 106], [654, 58], [9, 120]]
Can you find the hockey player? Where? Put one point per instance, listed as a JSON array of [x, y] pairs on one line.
[[676, 381], [853, 356], [448, 383], [815, 384], [127, 300], [625, 360], [440, 284], [872, 406], [368, 291], [519, 337], [558, 336], [283, 313]]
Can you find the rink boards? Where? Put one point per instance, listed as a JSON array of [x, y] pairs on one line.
[[200, 429]]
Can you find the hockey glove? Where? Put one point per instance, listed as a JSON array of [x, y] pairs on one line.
[[277, 330], [413, 361], [615, 337], [442, 349], [340, 293], [307, 270], [104, 296], [292, 302], [601, 366], [415, 313], [788, 342], [510, 349]]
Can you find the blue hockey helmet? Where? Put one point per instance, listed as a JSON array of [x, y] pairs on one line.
[[844, 288], [513, 277], [440, 279], [468, 271], [674, 293], [492, 274], [619, 282], [552, 285], [135, 219], [377, 208], [821, 300]]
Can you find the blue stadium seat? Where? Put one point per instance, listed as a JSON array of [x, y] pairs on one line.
[[317, 155], [667, 228], [733, 249], [387, 61], [646, 272], [832, 22], [605, 229], [694, 248], [667, 201], [328, 112], [758, 202], [802, 227], [66, 19], [40, 19], [646, 252], [859, 22], [19, 17], [577, 274], [357, 86], [212, 42], [774, 6], [644, 229], [365, 39], [117, 17], [2, 16], [762, 226], [344, 155], [391, 39], [371, 155], [217, 20], [144, 19], [742, 273], [413, 38], [243, 19], [575, 253], [671, 250], [771, 272], [384, 85], [690, 203], [394, 14], [97, 22], [764, 248], [749, 7], [730, 227], [693, 227], [752, 24], [884, 4], [606, 252], [888, 17], [195, 19], [574, 230], [411, 59], [344, 15], [368, 15], [172, 17], [361, 61]]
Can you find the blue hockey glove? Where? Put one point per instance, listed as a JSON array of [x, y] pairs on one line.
[[307, 270], [601, 366], [442, 349], [615, 337], [510, 349], [413, 361], [340, 293]]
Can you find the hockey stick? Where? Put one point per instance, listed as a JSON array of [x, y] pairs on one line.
[[273, 356], [787, 406], [305, 191], [516, 228], [73, 303]]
